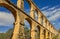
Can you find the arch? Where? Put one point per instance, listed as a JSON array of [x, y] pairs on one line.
[[29, 20], [44, 33], [36, 15], [27, 28], [48, 35], [27, 7], [38, 27], [29, 3], [9, 8], [41, 20], [37, 32]]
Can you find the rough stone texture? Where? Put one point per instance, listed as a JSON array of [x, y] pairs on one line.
[[20, 16]]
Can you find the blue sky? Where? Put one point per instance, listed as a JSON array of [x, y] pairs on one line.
[[50, 8]]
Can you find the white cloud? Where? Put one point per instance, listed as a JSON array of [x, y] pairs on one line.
[[53, 8], [53, 15], [6, 18], [47, 13], [44, 7]]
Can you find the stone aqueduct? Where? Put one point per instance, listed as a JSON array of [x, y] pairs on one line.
[[19, 15]]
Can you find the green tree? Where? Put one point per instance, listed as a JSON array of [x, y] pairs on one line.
[[27, 33], [6, 35]]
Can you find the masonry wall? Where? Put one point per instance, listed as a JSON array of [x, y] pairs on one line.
[[47, 30]]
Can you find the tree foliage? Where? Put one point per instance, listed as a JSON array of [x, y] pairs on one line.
[[6, 35]]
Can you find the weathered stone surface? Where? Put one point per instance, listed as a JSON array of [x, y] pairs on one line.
[[20, 16]]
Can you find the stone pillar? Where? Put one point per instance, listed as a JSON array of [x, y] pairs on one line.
[[41, 33], [20, 4], [50, 36], [19, 27], [16, 28], [47, 25], [46, 34], [44, 21], [33, 30], [53, 29], [39, 17], [21, 31], [50, 27], [16, 31], [32, 11]]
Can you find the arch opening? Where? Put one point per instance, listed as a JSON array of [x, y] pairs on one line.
[[6, 12], [37, 32], [14, 2], [48, 35], [44, 33], [42, 20], [27, 29], [6, 23], [26, 7], [13, 11], [36, 15]]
